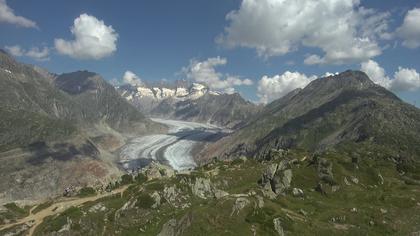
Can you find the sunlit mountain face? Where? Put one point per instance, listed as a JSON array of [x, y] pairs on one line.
[[245, 117]]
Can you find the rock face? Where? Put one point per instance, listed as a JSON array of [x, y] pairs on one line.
[[328, 112], [276, 179], [192, 102]]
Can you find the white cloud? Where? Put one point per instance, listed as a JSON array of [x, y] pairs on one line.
[[92, 39], [343, 30], [16, 50], [376, 73], [36, 53], [404, 79], [7, 15], [205, 72], [132, 79], [271, 88], [410, 29]]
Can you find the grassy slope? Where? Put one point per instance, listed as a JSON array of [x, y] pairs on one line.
[[369, 196]]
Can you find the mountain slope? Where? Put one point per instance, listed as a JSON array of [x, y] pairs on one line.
[[330, 111], [228, 110], [100, 102], [52, 137]]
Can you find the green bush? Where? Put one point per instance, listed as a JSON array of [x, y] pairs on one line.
[[141, 178], [145, 201], [86, 191], [126, 179]]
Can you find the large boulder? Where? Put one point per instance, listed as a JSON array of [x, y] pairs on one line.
[[203, 188], [276, 179], [156, 170]]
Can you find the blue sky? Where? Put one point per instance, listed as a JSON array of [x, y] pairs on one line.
[[175, 39]]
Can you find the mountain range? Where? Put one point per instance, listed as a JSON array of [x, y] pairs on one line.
[[190, 102], [337, 157]]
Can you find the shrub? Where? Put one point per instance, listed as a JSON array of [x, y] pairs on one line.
[[86, 191], [126, 179], [145, 201], [141, 178]]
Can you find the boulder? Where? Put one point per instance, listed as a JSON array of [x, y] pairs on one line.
[[156, 170], [240, 203], [276, 179], [202, 188], [156, 197], [297, 192], [281, 181]]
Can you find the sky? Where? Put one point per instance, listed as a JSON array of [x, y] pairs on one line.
[[262, 49]]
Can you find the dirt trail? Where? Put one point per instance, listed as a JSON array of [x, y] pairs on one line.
[[33, 220]]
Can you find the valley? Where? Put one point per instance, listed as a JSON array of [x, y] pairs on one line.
[[177, 148]]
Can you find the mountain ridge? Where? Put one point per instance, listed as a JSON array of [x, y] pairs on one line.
[[327, 112]]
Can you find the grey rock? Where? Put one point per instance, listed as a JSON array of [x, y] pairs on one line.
[[277, 226], [239, 204], [276, 179], [354, 180], [297, 192], [156, 197], [202, 188]]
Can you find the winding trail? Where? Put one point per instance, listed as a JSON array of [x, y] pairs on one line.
[[175, 148], [34, 220]]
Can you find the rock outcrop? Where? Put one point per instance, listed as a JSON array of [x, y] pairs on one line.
[[276, 179]]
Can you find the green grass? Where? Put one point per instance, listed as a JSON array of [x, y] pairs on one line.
[[42, 206]]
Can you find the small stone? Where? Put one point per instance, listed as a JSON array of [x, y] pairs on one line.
[[335, 188], [383, 211], [354, 180], [297, 192], [303, 212], [346, 181], [354, 209], [371, 223]]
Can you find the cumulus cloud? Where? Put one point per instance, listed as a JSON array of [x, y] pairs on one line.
[[36, 53], [7, 15], [410, 29], [16, 50], [376, 73], [132, 79], [92, 39], [205, 72], [343, 30], [271, 88], [404, 79]]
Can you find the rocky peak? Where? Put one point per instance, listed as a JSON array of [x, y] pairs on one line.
[[78, 82]]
